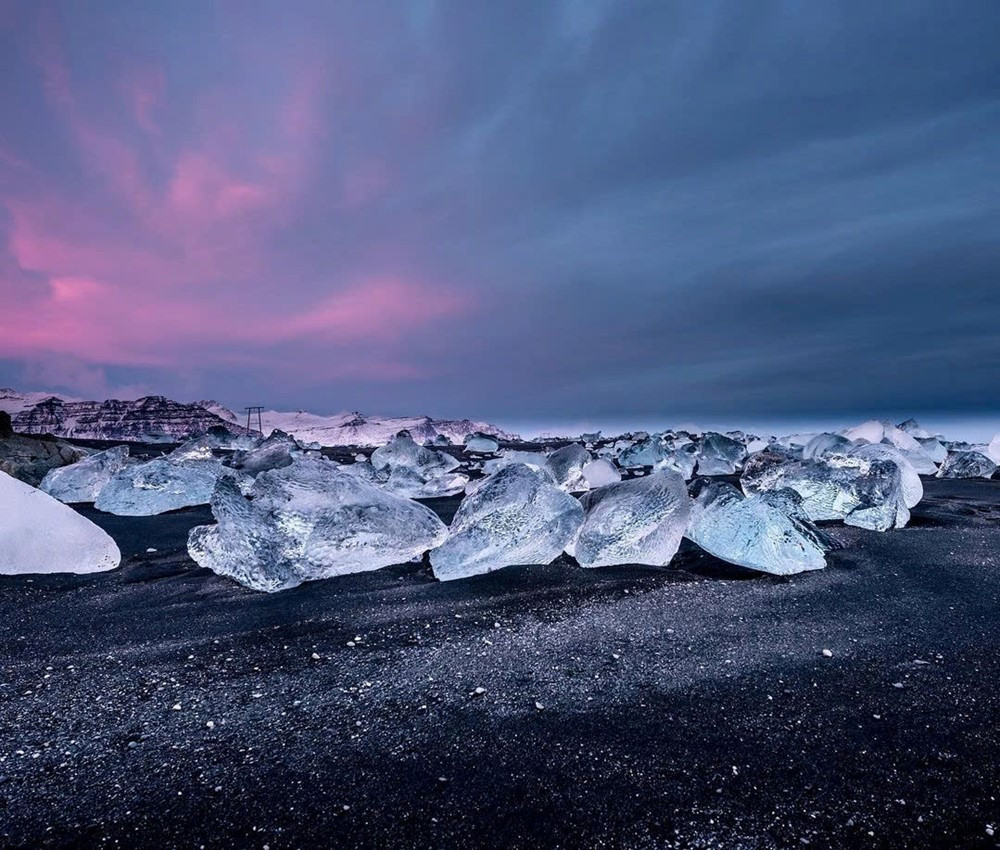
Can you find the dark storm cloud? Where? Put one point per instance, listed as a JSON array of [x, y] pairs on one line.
[[561, 210]]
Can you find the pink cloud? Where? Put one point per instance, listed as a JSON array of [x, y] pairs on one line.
[[143, 89], [380, 309], [161, 257]]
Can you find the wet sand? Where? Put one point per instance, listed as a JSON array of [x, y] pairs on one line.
[[628, 707]]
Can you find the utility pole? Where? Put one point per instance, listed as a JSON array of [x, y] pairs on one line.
[[257, 410]]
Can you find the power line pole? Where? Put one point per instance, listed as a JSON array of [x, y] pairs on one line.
[[257, 410]]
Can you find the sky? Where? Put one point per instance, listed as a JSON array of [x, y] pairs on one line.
[[535, 213]]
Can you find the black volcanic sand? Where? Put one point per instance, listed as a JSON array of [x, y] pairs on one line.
[[626, 707]]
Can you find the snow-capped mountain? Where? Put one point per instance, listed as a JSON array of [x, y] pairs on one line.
[[13, 402], [356, 429], [156, 418], [149, 419]]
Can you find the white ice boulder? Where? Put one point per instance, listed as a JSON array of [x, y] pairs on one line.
[[309, 520], [994, 449], [601, 472], [765, 532], [517, 516], [83, 481], [871, 431], [39, 534], [640, 521]]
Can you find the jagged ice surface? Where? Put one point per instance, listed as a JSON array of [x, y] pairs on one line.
[[517, 516], [309, 520], [84, 480], [640, 521], [762, 532]]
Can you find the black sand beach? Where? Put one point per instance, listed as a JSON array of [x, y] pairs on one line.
[[159, 705]]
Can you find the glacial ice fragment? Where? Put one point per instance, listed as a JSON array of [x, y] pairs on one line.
[[860, 492], [823, 445], [481, 444], [871, 431], [915, 429], [403, 451], [645, 453], [180, 479], [994, 449], [309, 520], [83, 481], [566, 467], [762, 532], [407, 481], [678, 460], [967, 464], [640, 521], [600, 472], [515, 517], [718, 455], [912, 487], [275, 452], [39, 534]]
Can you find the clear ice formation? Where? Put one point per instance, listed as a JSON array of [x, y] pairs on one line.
[[933, 448], [404, 452], [967, 464], [600, 473], [517, 516], [408, 482], [648, 452], [678, 460], [406, 469], [481, 444], [869, 494], [914, 429], [275, 452], [183, 478], [766, 532], [39, 534], [640, 521], [83, 481], [823, 445], [718, 454], [912, 487], [993, 450], [309, 520], [566, 465], [534, 460]]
